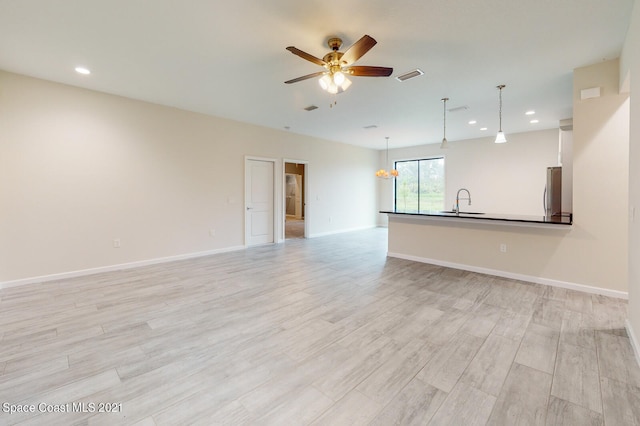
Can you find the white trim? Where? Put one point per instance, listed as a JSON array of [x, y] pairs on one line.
[[634, 341], [515, 276], [118, 267], [342, 231]]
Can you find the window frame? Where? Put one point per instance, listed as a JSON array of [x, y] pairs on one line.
[[418, 160]]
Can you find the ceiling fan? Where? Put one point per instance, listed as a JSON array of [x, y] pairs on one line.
[[340, 64]]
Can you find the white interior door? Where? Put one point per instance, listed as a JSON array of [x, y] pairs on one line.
[[259, 215]]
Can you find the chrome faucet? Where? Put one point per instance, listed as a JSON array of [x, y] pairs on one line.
[[457, 208]]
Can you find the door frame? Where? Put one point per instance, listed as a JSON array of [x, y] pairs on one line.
[[305, 201], [276, 207]]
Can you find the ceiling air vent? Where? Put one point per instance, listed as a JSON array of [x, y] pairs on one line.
[[566, 124], [311, 108], [410, 74], [371, 126], [460, 108]]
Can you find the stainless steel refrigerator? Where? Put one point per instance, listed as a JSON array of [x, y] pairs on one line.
[[553, 192]]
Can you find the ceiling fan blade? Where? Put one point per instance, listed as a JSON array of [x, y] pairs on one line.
[[358, 49], [365, 71], [305, 77], [307, 56]]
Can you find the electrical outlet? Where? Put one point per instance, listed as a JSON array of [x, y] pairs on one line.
[[212, 232], [116, 243], [330, 219], [503, 248]]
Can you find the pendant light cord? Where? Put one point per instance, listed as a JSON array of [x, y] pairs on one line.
[[500, 109], [444, 117], [387, 162]]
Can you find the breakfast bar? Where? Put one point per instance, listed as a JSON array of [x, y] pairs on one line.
[[560, 221], [529, 248]]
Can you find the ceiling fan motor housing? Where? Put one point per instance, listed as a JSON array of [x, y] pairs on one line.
[[333, 59]]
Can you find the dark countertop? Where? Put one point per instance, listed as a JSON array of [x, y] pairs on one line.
[[565, 219]]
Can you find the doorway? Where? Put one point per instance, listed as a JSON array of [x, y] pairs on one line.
[[294, 200]]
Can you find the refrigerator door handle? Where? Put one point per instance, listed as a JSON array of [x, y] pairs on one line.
[[544, 200]]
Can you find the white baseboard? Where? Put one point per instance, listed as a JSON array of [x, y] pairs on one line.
[[635, 342], [341, 231], [515, 276], [122, 266], [111, 268]]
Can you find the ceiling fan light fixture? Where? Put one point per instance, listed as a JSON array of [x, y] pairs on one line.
[[334, 83], [324, 82]]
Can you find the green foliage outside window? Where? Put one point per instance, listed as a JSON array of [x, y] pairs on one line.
[[420, 185]]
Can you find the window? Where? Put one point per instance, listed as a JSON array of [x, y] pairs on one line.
[[420, 185]]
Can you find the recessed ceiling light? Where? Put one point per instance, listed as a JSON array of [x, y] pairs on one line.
[[473, 122], [534, 121], [483, 128], [83, 70], [530, 112]]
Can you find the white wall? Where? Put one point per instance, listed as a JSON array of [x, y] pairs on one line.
[[566, 150], [593, 252], [502, 178], [80, 168], [630, 77]]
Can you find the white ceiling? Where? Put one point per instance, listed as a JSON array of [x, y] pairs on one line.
[[228, 59]]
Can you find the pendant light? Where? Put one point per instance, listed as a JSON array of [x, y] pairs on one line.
[[383, 173], [500, 136], [444, 144]]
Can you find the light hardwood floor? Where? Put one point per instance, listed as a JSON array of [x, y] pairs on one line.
[[293, 228], [320, 331]]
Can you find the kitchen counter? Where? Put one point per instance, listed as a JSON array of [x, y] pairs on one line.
[[489, 218]]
